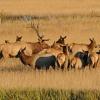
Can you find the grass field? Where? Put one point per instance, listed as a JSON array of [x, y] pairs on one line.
[[78, 20], [77, 29]]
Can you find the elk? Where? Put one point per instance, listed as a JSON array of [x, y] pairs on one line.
[[40, 45], [56, 48], [64, 58], [74, 48], [80, 60], [26, 60], [60, 41], [76, 63], [61, 57], [87, 58], [38, 61], [11, 49], [93, 59]]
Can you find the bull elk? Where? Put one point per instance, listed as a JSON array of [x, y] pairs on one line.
[[40, 45], [36, 28], [11, 49]]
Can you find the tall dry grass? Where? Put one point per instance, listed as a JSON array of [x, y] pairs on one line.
[[73, 27], [14, 75], [78, 29]]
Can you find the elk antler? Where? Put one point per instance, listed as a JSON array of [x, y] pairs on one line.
[[36, 28]]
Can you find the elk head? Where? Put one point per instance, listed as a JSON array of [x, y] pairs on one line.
[[92, 44], [18, 38], [61, 40], [7, 41]]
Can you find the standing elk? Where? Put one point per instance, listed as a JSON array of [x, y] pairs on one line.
[[12, 49], [64, 58], [80, 60], [40, 45], [74, 48], [25, 59], [38, 61], [88, 58], [60, 41], [56, 48], [93, 59]]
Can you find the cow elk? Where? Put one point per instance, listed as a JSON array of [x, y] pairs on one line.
[[74, 48]]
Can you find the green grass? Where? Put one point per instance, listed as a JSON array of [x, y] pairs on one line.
[[49, 94]]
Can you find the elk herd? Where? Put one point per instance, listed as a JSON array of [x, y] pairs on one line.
[[59, 55]]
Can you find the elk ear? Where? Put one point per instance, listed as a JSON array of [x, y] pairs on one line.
[[83, 51], [60, 36], [54, 42], [65, 37], [23, 49], [90, 39], [21, 37], [93, 38], [6, 41]]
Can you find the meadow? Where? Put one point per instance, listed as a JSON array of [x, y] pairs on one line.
[[16, 77], [78, 20]]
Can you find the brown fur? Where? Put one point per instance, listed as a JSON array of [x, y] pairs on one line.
[[26, 60], [94, 58], [80, 47]]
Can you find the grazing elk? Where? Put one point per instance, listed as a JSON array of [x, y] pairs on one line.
[[74, 48]]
